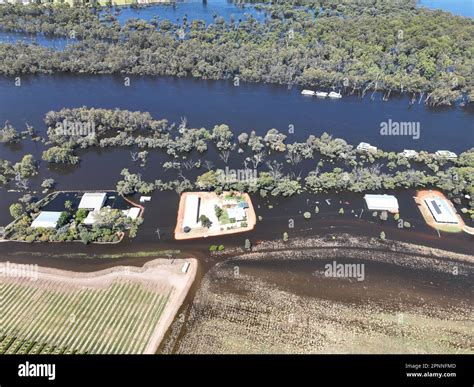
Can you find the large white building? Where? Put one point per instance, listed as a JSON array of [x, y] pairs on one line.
[[46, 219], [382, 202], [93, 201], [192, 211]]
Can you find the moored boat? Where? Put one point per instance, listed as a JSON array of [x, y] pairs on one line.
[[321, 94], [307, 92], [333, 94]]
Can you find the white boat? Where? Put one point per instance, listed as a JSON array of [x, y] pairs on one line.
[[333, 94], [321, 94], [307, 92]]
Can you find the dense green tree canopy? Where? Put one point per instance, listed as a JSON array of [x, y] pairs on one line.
[[353, 45]]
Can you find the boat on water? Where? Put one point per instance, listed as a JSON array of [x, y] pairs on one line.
[[307, 92], [333, 94], [321, 94]]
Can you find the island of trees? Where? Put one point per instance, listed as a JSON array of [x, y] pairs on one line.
[[283, 167]]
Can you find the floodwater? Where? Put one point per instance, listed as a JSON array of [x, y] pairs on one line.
[[456, 7], [206, 11], [244, 108], [36, 39]]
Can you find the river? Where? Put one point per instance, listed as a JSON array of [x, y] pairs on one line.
[[247, 107]]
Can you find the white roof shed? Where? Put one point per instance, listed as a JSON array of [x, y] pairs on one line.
[[191, 211], [382, 202], [93, 200], [132, 213], [46, 219]]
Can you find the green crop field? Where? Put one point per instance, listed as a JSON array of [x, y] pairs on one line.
[[51, 317]]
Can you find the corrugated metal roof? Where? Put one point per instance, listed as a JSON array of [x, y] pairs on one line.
[[93, 200]]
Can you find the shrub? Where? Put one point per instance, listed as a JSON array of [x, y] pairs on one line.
[[81, 214], [219, 211], [86, 237], [63, 219], [205, 221], [16, 210], [30, 238]]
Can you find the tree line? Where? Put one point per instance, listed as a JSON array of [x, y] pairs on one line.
[[317, 164], [362, 46]]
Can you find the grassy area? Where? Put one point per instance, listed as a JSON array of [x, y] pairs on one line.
[[56, 318]]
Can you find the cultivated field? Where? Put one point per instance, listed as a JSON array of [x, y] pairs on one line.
[[120, 310]]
